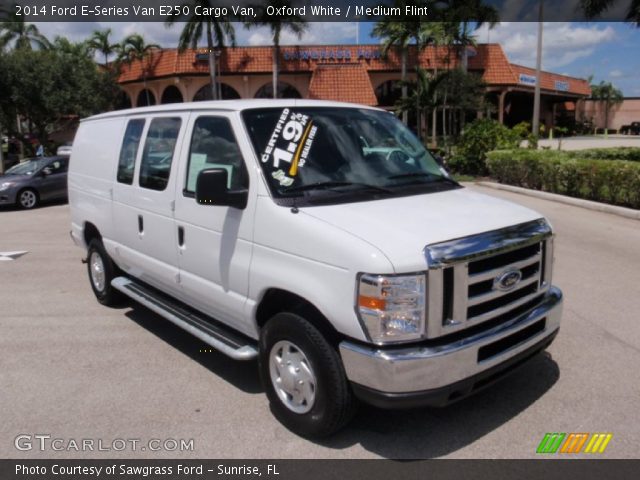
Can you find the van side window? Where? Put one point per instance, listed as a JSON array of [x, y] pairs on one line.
[[213, 145], [158, 153], [129, 151]]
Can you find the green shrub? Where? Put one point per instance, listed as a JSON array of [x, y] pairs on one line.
[[631, 154], [611, 181], [522, 130], [480, 137]]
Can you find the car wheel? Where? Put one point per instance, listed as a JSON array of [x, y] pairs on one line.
[[304, 378], [27, 199], [102, 271]]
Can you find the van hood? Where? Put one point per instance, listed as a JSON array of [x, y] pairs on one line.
[[402, 227]]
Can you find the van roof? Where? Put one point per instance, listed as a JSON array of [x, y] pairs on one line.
[[226, 105]]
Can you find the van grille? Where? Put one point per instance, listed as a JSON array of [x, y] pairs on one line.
[[465, 287]]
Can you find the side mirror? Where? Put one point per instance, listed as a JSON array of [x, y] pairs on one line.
[[211, 189]]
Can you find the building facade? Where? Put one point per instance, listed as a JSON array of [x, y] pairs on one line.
[[349, 73], [623, 113]]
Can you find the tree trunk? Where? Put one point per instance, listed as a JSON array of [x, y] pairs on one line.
[[465, 54], [212, 63], [274, 66], [444, 118], [434, 120], [403, 76], [435, 105], [146, 90], [425, 115], [418, 94], [444, 124]]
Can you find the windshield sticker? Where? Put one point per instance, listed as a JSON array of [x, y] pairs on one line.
[[290, 142]]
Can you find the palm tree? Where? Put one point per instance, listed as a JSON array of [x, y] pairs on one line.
[[100, 42], [79, 49], [134, 48], [423, 94], [608, 95], [22, 35], [397, 33], [278, 24], [194, 27], [595, 8], [458, 12]]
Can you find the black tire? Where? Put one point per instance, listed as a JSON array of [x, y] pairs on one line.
[[27, 199], [333, 404], [98, 260]]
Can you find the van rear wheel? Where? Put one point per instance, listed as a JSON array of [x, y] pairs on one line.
[[101, 271], [304, 378]]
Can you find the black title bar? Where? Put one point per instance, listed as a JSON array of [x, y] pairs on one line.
[[547, 469], [309, 10]]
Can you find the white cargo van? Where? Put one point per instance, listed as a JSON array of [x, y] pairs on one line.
[[320, 238]]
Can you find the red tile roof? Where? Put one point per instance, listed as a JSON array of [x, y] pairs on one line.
[[487, 58], [551, 81], [343, 83]]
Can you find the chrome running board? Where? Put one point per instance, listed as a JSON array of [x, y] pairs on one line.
[[208, 330]]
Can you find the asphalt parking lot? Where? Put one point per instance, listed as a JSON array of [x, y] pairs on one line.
[[73, 369]]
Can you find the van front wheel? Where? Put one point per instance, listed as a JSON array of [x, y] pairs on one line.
[[303, 377], [101, 271]]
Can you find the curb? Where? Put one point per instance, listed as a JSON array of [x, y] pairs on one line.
[[576, 202]]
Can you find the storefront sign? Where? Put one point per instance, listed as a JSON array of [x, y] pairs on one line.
[[320, 54], [561, 86], [527, 79]]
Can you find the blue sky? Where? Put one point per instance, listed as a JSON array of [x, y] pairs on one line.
[[608, 51]]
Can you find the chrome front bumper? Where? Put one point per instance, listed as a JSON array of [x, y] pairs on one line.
[[380, 375]]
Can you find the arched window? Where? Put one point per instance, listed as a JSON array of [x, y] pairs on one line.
[[171, 94], [285, 90], [228, 93], [122, 101], [388, 93], [146, 98]]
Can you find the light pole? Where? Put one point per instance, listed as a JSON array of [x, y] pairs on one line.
[[535, 124]]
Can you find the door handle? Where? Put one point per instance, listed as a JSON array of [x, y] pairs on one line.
[[181, 237], [140, 225]]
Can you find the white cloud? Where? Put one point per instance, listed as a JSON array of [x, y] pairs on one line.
[[317, 33], [616, 74], [563, 42], [157, 32]]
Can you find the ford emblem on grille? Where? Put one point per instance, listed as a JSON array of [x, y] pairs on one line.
[[507, 280]]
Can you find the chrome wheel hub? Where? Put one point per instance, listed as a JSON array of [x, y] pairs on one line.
[[292, 377], [97, 271]]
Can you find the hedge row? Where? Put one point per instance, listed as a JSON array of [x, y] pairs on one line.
[[631, 154], [612, 181]]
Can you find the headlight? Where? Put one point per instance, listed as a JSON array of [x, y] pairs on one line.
[[5, 185], [392, 307]]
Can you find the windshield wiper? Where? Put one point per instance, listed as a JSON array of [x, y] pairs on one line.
[[436, 178], [333, 184]]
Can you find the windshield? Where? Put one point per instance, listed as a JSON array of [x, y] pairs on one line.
[[28, 167], [329, 152]]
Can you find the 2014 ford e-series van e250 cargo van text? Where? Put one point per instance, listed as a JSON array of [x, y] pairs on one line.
[[319, 237]]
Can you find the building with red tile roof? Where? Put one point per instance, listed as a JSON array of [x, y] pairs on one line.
[[350, 73]]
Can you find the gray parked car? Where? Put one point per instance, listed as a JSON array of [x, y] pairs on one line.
[[34, 180]]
